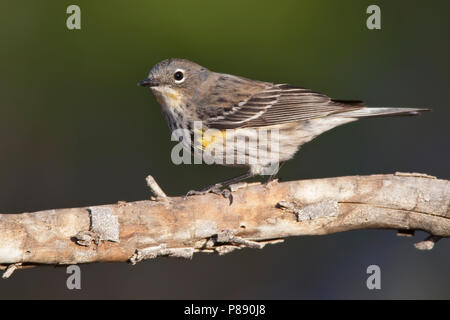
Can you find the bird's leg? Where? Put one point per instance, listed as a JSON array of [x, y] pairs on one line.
[[217, 187]]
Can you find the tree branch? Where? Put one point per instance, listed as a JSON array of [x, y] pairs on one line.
[[259, 214]]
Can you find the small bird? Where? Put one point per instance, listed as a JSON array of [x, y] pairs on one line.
[[238, 107]]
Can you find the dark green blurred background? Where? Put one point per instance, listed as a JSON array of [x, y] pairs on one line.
[[75, 130]]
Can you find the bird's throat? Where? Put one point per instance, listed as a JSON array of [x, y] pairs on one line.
[[167, 97]]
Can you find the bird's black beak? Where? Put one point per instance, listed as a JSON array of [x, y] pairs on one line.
[[147, 83]]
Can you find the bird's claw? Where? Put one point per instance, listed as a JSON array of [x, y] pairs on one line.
[[213, 189]]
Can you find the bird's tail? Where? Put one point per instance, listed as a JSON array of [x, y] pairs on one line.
[[381, 112]]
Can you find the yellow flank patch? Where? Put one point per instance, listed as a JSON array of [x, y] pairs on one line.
[[206, 137]]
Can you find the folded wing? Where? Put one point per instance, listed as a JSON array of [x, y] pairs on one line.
[[281, 103]]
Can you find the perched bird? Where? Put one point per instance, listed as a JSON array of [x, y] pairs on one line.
[[242, 108]]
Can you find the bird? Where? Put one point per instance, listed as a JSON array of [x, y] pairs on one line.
[[236, 108]]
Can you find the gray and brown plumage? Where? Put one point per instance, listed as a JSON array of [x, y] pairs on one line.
[[189, 92]]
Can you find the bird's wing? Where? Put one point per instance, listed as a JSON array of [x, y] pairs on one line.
[[280, 103]]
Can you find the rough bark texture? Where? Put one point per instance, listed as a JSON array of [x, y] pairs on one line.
[[258, 215]]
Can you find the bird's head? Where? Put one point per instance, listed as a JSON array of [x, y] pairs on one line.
[[175, 80]]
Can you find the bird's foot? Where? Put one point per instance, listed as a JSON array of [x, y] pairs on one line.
[[217, 188]]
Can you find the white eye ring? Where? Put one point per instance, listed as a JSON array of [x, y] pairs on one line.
[[182, 74]]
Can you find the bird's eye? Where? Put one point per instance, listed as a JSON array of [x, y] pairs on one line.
[[178, 76]]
